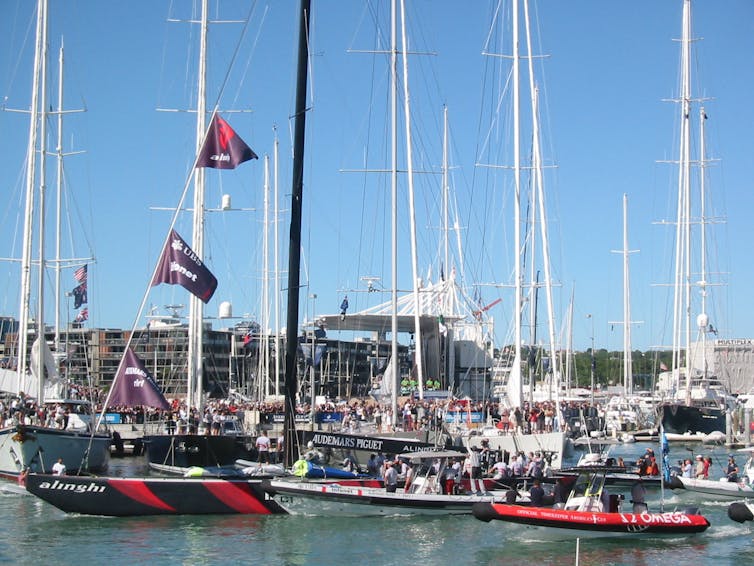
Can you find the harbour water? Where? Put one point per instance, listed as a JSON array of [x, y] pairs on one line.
[[36, 533]]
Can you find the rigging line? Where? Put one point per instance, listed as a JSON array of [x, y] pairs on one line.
[[254, 43]]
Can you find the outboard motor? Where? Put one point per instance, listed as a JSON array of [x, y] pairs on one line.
[[740, 512]]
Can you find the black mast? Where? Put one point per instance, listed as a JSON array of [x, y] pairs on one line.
[[294, 250]]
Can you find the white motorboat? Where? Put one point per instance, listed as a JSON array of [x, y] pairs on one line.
[[741, 489], [426, 493]]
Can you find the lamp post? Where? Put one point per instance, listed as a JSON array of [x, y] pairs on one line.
[[593, 360]]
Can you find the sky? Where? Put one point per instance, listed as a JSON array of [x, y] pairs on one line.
[[607, 72]]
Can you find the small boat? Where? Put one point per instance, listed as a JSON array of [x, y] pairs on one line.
[[590, 511], [123, 497], [426, 493], [741, 489], [615, 474]]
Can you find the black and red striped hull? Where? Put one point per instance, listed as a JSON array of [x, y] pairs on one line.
[[122, 497]]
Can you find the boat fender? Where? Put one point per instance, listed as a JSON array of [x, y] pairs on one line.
[[194, 472], [740, 512], [300, 468]]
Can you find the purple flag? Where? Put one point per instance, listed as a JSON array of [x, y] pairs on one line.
[[179, 265], [223, 148], [134, 386]]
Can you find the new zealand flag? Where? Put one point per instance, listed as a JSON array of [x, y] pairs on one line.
[[79, 296]]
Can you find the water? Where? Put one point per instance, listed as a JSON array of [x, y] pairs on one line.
[[35, 532]]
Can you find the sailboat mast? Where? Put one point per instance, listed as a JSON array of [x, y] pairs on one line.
[[294, 250], [703, 320], [265, 346], [39, 370], [418, 349], [59, 198], [516, 370], [277, 267], [394, 212], [196, 306], [445, 192], [31, 156], [628, 382], [682, 291]]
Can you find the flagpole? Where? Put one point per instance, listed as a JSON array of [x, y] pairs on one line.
[[144, 299]]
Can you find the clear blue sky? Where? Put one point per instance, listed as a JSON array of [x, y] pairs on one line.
[[605, 125]]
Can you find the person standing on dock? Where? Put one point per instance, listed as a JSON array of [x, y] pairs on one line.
[[263, 447]]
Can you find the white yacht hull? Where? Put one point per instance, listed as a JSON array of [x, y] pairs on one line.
[[40, 447], [333, 500], [720, 488]]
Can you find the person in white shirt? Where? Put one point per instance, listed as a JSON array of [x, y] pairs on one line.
[[263, 446], [58, 468], [499, 470]]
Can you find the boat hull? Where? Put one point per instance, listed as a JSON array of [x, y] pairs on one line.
[[39, 448], [197, 450], [683, 419], [717, 488], [123, 497], [337, 500], [566, 523]]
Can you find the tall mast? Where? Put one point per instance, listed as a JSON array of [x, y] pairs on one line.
[[294, 251], [39, 370], [394, 200], [276, 267], [59, 154], [628, 382], [628, 387], [418, 354], [265, 349], [31, 156], [682, 283], [59, 198], [196, 306], [517, 208], [703, 319], [445, 192]]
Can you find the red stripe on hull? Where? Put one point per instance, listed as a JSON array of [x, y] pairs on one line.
[[138, 491], [237, 497]]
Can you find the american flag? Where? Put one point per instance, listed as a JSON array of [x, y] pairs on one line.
[[80, 274], [83, 315]]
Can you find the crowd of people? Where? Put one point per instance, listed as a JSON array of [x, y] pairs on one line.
[[412, 414]]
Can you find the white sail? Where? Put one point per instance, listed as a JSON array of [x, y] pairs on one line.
[[387, 385], [514, 387], [49, 362], [9, 382]]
